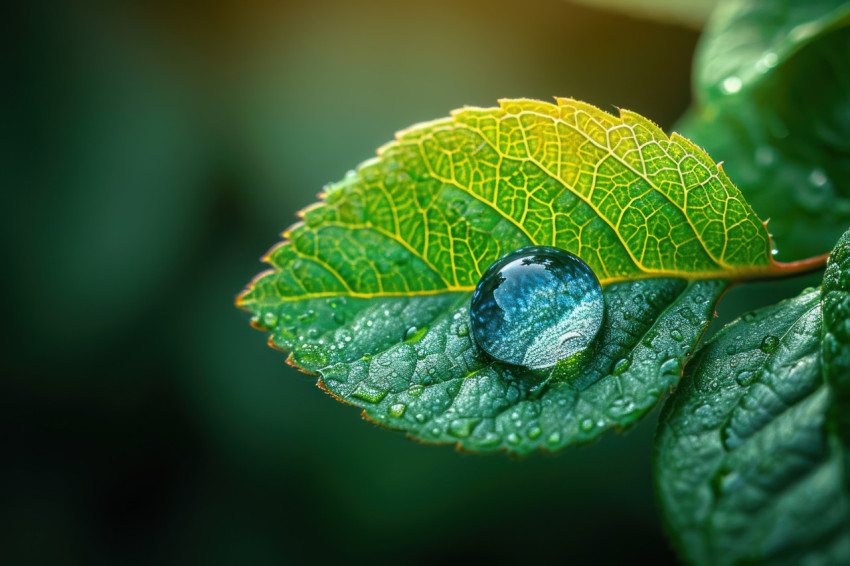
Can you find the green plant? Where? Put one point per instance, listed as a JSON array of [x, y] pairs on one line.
[[371, 292]]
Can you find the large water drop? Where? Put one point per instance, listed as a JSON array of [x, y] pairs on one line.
[[536, 306]]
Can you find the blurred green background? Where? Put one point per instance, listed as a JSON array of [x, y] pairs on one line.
[[154, 151]]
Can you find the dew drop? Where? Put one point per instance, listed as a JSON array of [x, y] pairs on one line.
[[731, 85], [587, 425], [369, 393], [270, 319], [676, 335], [769, 344], [767, 61], [536, 306], [307, 317], [745, 377], [461, 428]]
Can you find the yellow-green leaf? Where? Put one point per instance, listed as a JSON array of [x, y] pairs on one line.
[[372, 289]]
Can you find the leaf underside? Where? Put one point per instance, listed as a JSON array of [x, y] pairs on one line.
[[751, 459], [372, 290]]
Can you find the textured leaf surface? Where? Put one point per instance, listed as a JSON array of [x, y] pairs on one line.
[[751, 450], [836, 342], [772, 90], [372, 290]]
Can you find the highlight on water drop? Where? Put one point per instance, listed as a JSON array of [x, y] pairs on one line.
[[536, 306]]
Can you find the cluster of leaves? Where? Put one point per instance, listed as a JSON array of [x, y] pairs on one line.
[[371, 291]]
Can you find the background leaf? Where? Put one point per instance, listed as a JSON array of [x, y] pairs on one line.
[[749, 463], [784, 140], [372, 290], [836, 343]]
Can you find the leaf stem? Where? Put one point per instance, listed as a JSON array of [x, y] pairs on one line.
[[781, 270]]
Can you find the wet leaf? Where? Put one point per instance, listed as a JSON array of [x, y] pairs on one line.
[[836, 343], [372, 290], [772, 99], [751, 450]]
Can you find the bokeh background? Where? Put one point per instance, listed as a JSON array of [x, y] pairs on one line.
[[154, 151]]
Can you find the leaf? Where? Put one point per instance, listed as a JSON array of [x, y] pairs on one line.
[[751, 451], [836, 343], [372, 290], [772, 91]]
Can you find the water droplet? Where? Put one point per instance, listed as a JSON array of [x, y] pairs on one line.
[[307, 317], [453, 388], [749, 317], [513, 438], [414, 334], [818, 178], [369, 393], [534, 432], [745, 377], [554, 438], [461, 428], [769, 344], [767, 61], [536, 306], [731, 85], [397, 410], [416, 390], [676, 335], [587, 425], [462, 330], [270, 319], [420, 418], [621, 366]]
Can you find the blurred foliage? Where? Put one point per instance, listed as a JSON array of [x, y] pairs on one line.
[[772, 99], [693, 13], [153, 149]]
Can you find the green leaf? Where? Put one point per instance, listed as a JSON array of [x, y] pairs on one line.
[[772, 99], [372, 290], [836, 342], [752, 450]]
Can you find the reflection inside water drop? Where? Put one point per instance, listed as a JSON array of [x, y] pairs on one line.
[[536, 306]]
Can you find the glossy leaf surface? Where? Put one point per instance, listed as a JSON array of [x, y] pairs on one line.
[[372, 291], [836, 343], [751, 450]]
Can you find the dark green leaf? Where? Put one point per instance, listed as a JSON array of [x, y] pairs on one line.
[[752, 449], [772, 91], [836, 342]]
